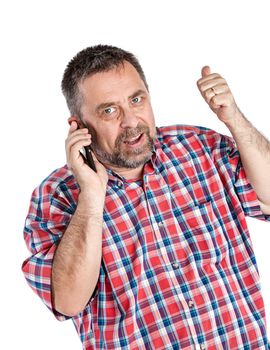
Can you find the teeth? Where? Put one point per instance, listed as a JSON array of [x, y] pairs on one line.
[[133, 139]]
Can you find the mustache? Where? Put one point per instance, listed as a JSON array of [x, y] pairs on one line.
[[131, 132]]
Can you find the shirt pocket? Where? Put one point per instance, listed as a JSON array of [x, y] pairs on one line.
[[202, 235]]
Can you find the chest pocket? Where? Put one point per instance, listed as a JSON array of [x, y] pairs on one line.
[[201, 234]]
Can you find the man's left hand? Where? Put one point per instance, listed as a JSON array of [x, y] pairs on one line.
[[217, 94]]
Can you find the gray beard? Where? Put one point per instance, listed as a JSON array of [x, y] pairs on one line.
[[124, 158]]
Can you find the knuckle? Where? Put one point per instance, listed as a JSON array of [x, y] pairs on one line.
[[223, 81], [214, 99]]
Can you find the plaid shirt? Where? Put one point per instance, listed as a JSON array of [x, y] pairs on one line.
[[178, 269]]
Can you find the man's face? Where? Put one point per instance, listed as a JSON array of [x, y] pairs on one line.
[[117, 111]]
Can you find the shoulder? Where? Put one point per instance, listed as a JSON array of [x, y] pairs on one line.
[[183, 130], [60, 178], [200, 135], [58, 190]]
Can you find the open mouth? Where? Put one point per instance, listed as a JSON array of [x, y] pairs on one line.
[[134, 140]]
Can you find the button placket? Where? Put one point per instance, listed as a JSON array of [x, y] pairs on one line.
[[120, 184], [161, 224], [191, 303], [175, 265], [170, 265]]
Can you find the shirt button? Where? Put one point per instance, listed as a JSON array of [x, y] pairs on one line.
[[190, 303], [175, 265], [202, 347], [161, 223], [120, 184]]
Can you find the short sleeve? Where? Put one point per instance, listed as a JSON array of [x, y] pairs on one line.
[[231, 161], [222, 150], [49, 214]]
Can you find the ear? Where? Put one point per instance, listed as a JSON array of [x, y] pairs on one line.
[[75, 118]]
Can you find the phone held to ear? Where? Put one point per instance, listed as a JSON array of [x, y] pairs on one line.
[[88, 158]]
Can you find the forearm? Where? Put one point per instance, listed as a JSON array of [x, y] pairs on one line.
[[77, 260], [254, 150]]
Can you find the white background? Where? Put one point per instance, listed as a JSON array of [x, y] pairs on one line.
[[173, 40]]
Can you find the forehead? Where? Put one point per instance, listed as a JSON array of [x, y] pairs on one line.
[[114, 84]]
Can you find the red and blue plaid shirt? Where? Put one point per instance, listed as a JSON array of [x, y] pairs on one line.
[[178, 269]]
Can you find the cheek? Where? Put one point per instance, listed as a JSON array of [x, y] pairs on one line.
[[151, 122], [107, 140]]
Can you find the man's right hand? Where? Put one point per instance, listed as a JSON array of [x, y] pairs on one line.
[[92, 184]]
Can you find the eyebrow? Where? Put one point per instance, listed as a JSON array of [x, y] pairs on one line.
[[108, 104]]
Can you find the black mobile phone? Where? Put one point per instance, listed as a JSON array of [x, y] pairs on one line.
[[88, 158]]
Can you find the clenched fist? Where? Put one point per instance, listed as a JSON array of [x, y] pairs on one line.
[[218, 95]]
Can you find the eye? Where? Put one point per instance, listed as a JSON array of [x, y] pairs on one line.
[[109, 110], [137, 99]]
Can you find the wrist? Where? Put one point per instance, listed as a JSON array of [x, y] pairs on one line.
[[90, 205], [236, 120], [242, 130]]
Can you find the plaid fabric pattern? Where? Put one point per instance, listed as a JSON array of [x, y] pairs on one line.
[[178, 269]]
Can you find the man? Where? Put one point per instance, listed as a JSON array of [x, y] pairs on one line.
[[152, 251]]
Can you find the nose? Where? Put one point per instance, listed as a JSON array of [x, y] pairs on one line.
[[129, 119]]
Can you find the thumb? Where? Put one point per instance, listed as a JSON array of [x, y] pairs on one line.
[[206, 71]]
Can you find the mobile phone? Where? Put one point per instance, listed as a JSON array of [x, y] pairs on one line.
[[88, 158]]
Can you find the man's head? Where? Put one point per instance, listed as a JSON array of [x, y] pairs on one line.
[[106, 90], [92, 60]]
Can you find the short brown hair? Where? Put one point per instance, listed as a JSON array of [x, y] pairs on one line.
[[93, 59]]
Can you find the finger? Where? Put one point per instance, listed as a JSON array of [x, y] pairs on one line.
[[73, 153], [221, 100], [213, 91], [205, 71], [76, 133], [209, 77], [70, 142], [208, 95], [73, 126], [215, 83], [76, 137]]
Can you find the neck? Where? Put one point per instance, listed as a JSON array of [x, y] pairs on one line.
[[128, 174]]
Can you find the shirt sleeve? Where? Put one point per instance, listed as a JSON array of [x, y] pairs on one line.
[[228, 157], [48, 217], [224, 153]]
